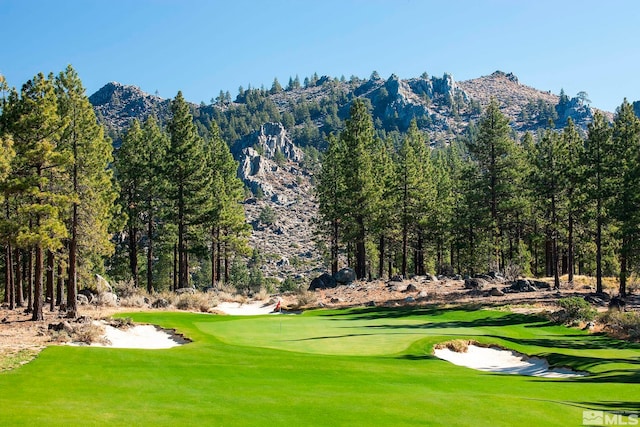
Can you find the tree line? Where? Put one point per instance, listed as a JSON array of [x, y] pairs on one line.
[[556, 202], [70, 210]]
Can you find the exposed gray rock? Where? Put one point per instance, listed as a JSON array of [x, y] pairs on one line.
[[496, 292], [82, 299], [324, 281], [108, 299], [475, 283], [181, 291], [345, 275], [160, 303]]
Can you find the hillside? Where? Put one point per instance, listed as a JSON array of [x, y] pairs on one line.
[[260, 123]]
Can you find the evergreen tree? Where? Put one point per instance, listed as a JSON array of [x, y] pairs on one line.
[[358, 172], [494, 153], [625, 207], [226, 219], [153, 184], [550, 184], [91, 182], [36, 128], [188, 178], [597, 180], [130, 165], [330, 193]]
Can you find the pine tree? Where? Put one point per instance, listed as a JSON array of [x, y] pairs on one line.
[[357, 166], [130, 165], [188, 178], [36, 128], [226, 219], [575, 197], [494, 153], [153, 147], [625, 206], [93, 194], [330, 194], [598, 155], [550, 183]]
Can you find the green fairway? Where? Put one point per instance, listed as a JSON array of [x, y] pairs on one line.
[[356, 367]]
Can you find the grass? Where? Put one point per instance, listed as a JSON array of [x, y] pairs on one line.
[[368, 366]]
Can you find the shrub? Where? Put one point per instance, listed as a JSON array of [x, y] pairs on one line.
[[623, 324], [575, 309], [289, 285], [459, 346], [198, 301]]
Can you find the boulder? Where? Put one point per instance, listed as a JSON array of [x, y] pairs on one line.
[[540, 284], [160, 303], [397, 278], [409, 299], [520, 285], [345, 275], [495, 292], [90, 296], [411, 288], [82, 299], [617, 303], [595, 299], [102, 285], [324, 281], [475, 283], [181, 291], [108, 298]]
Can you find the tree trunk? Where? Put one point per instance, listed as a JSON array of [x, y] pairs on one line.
[[60, 285], [49, 287], [334, 247], [214, 271], [30, 281], [175, 266], [570, 252], [599, 247], [72, 283], [361, 252], [623, 267], [18, 278], [8, 278], [150, 255], [37, 291], [381, 256], [133, 255]]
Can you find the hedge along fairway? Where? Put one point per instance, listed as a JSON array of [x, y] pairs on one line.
[[351, 367]]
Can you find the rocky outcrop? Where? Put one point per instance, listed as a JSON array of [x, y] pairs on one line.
[[257, 154], [116, 105]]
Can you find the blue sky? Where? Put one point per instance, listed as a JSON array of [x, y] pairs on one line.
[[202, 47]]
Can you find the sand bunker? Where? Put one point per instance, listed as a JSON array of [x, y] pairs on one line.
[[247, 309], [138, 336], [494, 359]]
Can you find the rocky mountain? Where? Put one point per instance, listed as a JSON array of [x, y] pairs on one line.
[[285, 188], [265, 130], [442, 106]]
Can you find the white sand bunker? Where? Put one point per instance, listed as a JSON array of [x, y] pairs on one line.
[[248, 309], [138, 336], [493, 359]]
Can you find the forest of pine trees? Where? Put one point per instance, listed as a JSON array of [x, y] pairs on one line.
[[549, 204], [70, 210], [167, 202]]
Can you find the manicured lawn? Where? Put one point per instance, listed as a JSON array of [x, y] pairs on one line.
[[357, 367]]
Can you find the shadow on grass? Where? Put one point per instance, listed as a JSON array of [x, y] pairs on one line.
[[619, 406], [374, 313], [506, 320], [574, 341]]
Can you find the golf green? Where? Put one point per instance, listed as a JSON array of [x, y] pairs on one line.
[[357, 367]]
